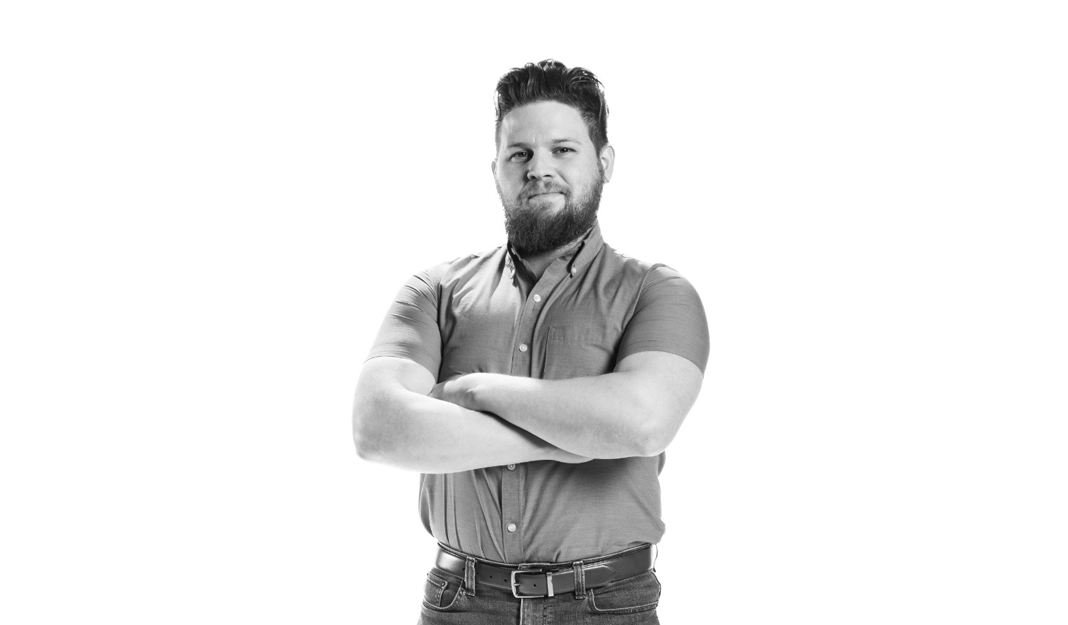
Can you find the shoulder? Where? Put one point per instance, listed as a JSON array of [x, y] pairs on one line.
[[461, 269], [645, 276], [668, 315]]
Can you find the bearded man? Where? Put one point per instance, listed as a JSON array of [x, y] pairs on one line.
[[536, 386]]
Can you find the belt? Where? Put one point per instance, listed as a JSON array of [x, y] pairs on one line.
[[546, 580]]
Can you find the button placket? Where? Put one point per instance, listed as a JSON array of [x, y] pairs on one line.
[[511, 512], [523, 356], [524, 336]]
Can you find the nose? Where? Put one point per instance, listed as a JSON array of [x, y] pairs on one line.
[[539, 166]]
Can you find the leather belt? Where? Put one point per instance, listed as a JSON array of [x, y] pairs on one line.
[[546, 580]]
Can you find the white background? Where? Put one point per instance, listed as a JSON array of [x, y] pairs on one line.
[[207, 206]]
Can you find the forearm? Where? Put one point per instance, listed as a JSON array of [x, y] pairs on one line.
[[634, 411], [596, 417], [415, 432]]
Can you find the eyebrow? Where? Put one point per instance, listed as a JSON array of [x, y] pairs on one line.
[[522, 144]]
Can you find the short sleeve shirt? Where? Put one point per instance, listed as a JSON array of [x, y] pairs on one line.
[[589, 310]]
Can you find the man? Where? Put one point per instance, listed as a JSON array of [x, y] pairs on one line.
[[537, 385]]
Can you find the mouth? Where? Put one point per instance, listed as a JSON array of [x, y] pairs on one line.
[[543, 188]]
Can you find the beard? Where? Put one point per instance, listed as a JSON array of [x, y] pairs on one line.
[[532, 231]]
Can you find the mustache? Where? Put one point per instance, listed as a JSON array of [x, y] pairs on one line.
[[541, 186]]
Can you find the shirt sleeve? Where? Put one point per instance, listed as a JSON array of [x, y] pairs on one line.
[[410, 329], [668, 317]]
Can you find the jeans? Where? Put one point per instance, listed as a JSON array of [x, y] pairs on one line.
[[448, 600]]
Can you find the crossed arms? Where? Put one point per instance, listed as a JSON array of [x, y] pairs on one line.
[[401, 417]]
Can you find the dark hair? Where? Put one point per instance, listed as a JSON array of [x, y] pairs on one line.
[[551, 80]]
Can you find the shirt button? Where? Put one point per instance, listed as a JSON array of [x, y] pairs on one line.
[[511, 467], [537, 298], [523, 347], [511, 527]]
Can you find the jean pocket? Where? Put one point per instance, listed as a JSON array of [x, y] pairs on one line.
[[640, 593], [442, 592]]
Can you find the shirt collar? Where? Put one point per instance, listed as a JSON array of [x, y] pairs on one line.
[[589, 248]]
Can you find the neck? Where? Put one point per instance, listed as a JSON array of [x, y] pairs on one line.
[[536, 264]]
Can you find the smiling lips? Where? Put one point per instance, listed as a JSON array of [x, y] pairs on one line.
[[543, 189]]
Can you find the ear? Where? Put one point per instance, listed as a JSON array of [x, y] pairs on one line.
[[493, 168], [608, 161]]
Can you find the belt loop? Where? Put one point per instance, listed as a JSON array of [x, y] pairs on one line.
[[469, 576], [580, 580]]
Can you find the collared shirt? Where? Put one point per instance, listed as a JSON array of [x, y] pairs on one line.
[[590, 309]]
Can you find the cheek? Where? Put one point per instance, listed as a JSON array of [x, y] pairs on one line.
[[582, 174], [510, 183], [579, 181]]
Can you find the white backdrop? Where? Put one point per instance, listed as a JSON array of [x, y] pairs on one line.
[[206, 207]]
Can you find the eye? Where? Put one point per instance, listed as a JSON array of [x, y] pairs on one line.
[[522, 155], [564, 150]]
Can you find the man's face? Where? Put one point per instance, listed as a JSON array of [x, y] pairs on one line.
[[549, 176]]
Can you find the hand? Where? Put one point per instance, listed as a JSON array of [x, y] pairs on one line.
[[569, 458], [438, 392], [455, 391]]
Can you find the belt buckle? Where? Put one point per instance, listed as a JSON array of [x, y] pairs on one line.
[[548, 583]]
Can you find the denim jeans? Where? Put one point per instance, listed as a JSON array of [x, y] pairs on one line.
[[448, 600]]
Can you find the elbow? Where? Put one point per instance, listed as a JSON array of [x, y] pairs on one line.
[[365, 449], [653, 435], [651, 444], [364, 443], [369, 442]]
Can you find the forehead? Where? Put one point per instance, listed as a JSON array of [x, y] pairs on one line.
[[543, 121]]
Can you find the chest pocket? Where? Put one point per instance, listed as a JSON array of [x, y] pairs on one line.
[[577, 351]]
